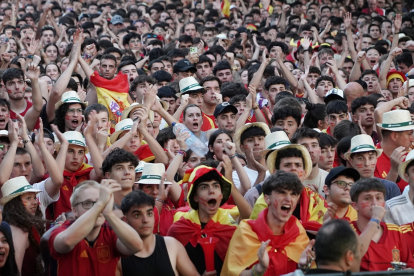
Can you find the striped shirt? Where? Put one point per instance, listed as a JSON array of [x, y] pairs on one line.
[[400, 210]]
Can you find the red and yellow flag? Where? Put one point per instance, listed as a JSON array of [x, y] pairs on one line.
[[113, 94], [312, 209], [284, 250], [225, 7]]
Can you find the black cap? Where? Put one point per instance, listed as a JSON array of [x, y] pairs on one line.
[[341, 170], [242, 30], [46, 134], [88, 25], [224, 107], [83, 15], [183, 65]]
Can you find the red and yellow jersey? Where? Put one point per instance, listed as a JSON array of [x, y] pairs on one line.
[[83, 260], [350, 215], [187, 229], [312, 209], [284, 250], [408, 235], [390, 248], [384, 166]]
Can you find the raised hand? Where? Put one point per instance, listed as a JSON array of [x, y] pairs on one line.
[[306, 43], [397, 23], [308, 255], [348, 20], [162, 191], [361, 56], [263, 256], [395, 52], [59, 134], [13, 136], [32, 48], [32, 71], [106, 190]]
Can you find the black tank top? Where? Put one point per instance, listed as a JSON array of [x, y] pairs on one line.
[[158, 263]]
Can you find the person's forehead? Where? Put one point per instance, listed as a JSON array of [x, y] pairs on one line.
[[76, 147], [229, 113], [90, 193], [107, 61], [128, 67], [141, 209], [22, 158], [308, 140], [211, 83], [193, 109], [123, 164], [292, 159]]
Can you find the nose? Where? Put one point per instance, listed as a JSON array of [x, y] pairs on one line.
[[24, 169]]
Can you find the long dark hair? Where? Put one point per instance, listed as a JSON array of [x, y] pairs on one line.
[[10, 266], [213, 137], [16, 214]]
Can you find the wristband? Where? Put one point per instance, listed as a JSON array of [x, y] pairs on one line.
[[255, 272], [377, 221], [30, 56], [159, 200], [183, 153], [231, 157]]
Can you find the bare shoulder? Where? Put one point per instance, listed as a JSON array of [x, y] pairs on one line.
[[172, 242]]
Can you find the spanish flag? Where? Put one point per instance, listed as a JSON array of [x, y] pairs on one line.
[[225, 7], [188, 229], [312, 209], [113, 94], [350, 215], [284, 250]]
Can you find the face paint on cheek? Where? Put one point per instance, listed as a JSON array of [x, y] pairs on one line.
[[67, 117], [25, 203], [300, 174], [373, 165], [365, 204], [360, 166], [202, 202], [8, 91], [321, 158]]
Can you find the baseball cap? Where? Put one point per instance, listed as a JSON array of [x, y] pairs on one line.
[[116, 19], [341, 170], [83, 15], [224, 107], [183, 65], [334, 94]]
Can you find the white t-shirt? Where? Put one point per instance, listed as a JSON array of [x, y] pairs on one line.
[[400, 210], [319, 181], [252, 174], [43, 197]]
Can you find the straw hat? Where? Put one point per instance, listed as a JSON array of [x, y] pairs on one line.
[[123, 125], [362, 143], [132, 107], [70, 97], [152, 174], [240, 131], [271, 159], [274, 141], [403, 166], [200, 171], [140, 167], [15, 187], [397, 120], [187, 85], [74, 138]]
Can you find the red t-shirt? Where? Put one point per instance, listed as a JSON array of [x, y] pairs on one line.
[[384, 166], [212, 119], [83, 260], [28, 106], [390, 248], [408, 235]]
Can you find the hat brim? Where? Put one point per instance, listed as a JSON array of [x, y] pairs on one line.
[[185, 69], [404, 128], [151, 181], [348, 154], [225, 185], [401, 169], [116, 134], [59, 103], [267, 151], [195, 88], [239, 132], [127, 111], [6, 199], [230, 107], [271, 159]]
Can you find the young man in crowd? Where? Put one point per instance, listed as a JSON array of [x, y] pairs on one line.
[[364, 157], [336, 111], [211, 97], [328, 149], [363, 113]]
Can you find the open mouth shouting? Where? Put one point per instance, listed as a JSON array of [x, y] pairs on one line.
[[286, 208], [212, 204]]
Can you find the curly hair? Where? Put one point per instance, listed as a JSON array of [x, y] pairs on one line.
[[118, 156], [16, 214], [60, 115]]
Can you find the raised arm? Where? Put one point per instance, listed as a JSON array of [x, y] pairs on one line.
[[96, 155], [6, 166], [386, 66], [349, 37], [33, 113], [259, 73], [356, 69], [68, 239]]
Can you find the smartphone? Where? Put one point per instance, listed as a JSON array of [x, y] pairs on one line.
[[193, 50]]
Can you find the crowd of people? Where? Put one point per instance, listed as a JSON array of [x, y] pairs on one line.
[[220, 137]]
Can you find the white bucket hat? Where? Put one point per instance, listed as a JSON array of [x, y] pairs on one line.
[[140, 167], [189, 84], [124, 125], [152, 174], [397, 120], [69, 97], [274, 141], [240, 131], [401, 168], [362, 143], [15, 187]]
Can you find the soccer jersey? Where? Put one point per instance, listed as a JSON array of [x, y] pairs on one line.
[[86, 260], [390, 248], [400, 210], [408, 235], [384, 166]]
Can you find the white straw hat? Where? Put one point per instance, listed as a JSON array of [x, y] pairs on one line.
[[240, 131], [74, 138], [152, 174], [362, 143], [401, 168], [124, 125], [15, 187], [397, 120], [140, 167], [274, 141], [189, 84], [69, 97]]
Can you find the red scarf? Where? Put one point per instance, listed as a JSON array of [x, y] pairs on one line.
[[188, 231], [277, 254], [83, 170]]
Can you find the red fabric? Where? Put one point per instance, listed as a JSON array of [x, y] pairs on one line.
[[213, 119], [305, 216], [408, 235], [383, 167], [207, 123], [28, 106], [118, 84], [69, 184], [144, 153], [82, 260], [166, 219], [185, 231], [390, 247], [279, 263], [30, 255], [156, 229], [328, 130], [377, 10]]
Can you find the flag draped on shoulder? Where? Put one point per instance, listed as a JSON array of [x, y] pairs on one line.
[[284, 250], [113, 94]]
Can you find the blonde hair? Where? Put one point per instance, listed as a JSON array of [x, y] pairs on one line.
[[81, 187]]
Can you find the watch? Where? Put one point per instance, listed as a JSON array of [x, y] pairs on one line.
[[25, 141]]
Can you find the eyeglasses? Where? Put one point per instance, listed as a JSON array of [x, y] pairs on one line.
[[72, 111], [343, 184], [87, 204]]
